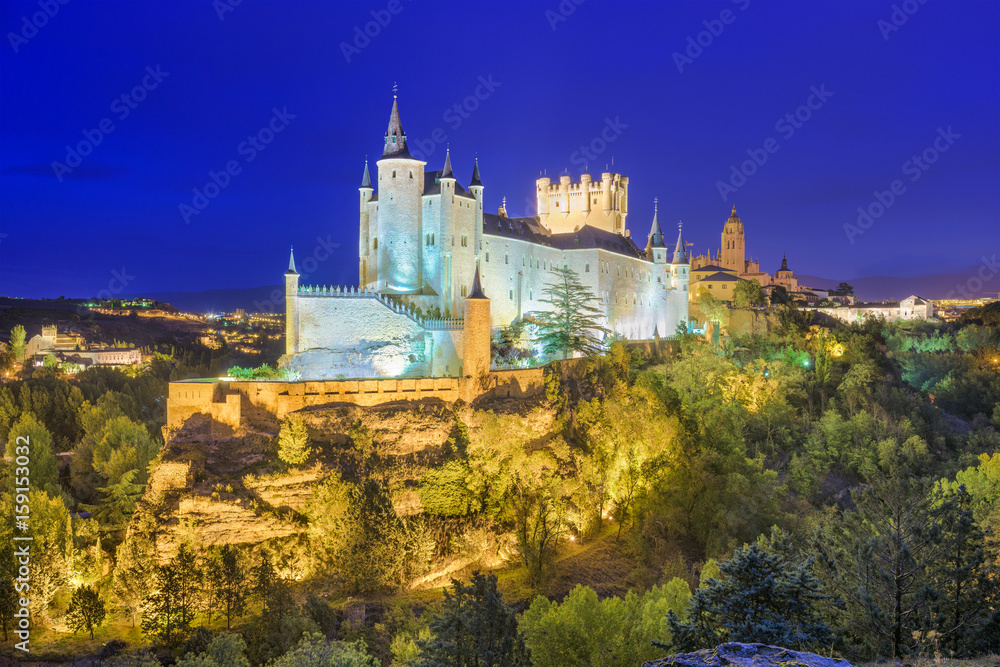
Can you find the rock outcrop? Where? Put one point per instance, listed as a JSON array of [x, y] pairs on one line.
[[735, 654]]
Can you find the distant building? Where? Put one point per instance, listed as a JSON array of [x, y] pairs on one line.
[[72, 348], [911, 308]]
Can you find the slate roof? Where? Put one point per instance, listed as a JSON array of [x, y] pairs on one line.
[[529, 229], [432, 185], [719, 277]]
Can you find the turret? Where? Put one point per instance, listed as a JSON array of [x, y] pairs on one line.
[[733, 252], [476, 333], [476, 188], [367, 270], [679, 267], [542, 199], [585, 193], [291, 306], [656, 248]]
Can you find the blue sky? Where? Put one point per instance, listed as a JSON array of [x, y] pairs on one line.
[[161, 95]]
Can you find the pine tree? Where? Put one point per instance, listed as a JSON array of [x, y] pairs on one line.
[[17, 342], [293, 441], [134, 568], [474, 628], [170, 607], [965, 570], [764, 594], [227, 581], [573, 323], [86, 610]]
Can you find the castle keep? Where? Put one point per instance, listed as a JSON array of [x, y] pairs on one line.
[[437, 274]]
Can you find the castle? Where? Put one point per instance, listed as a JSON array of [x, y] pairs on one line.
[[437, 274]]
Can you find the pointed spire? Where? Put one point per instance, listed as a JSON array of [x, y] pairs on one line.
[[291, 263], [477, 287], [395, 138], [475, 175], [655, 233], [366, 180], [784, 263], [680, 250], [446, 172]]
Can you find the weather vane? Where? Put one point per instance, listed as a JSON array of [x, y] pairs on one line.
[[394, 88]]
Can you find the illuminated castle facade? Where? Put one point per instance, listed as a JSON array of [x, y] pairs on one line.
[[426, 246]]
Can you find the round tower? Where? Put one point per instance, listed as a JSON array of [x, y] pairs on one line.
[[400, 186], [476, 332], [291, 306], [367, 269]]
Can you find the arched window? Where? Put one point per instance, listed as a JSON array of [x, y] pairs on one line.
[[376, 243]]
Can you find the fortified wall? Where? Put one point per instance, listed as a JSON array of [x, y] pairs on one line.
[[236, 403]]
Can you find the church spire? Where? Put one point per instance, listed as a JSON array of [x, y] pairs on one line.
[[475, 175], [680, 250], [291, 263], [395, 138], [655, 233], [446, 172], [366, 180]]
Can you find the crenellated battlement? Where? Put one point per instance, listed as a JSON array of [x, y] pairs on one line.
[[566, 206]]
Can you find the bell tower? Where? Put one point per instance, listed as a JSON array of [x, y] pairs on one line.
[[733, 252]]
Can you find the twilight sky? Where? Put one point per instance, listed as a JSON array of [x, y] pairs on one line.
[[113, 113]]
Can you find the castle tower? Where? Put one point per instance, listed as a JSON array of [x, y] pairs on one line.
[[679, 275], [367, 267], [449, 230], [565, 207], [476, 188], [291, 306], [476, 333], [396, 240], [656, 248], [733, 254]]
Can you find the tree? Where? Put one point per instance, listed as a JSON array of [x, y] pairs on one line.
[[843, 289], [227, 582], [134, 569], [573, 323], [315, 650], [293, 441], [748, 293], [372, 555], [170, 606], [764, 595], [8, 596], [780, 296], [961, 615], [226, 650], [17, 342], [28, 437], [878, 560], [474, 628], [86, 610], [443, 490], [536, 515], [272, 591]]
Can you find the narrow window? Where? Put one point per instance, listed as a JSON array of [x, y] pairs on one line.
[[394, 171], [376, 243], [487, 255], [411, 175], [511, 295], [586, 268], [465, 290], [506, 259]]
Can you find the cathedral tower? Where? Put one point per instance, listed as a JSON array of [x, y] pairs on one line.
[[733, 253], [396, 239]]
